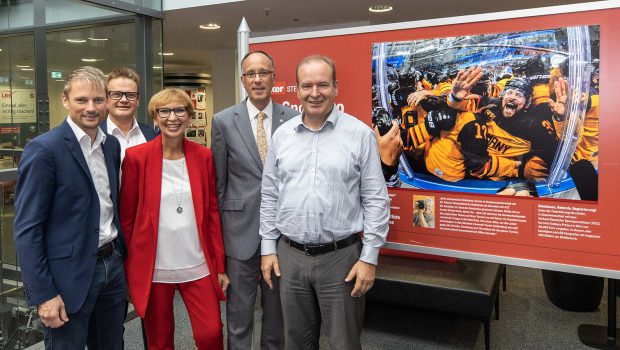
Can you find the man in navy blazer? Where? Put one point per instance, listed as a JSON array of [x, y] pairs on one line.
[[67, 232], [123, 101]]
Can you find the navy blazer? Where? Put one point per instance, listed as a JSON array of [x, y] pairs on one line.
[[56, 227], [149, 132]]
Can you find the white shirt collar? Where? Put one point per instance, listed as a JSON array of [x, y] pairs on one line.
[[80, 134], [112, 126], [253, 111]]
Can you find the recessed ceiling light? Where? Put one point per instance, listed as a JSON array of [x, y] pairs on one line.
[[27, 69], [166, 53], [380, 8], [92, 59], [20, 66], [156, 67], [210, 26], [76, 41], [98, 39]]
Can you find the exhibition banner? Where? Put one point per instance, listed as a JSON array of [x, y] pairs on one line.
[[521, 117]]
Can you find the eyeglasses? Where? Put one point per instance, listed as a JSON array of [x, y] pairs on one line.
[[165, 112], [262, 74], [117, 95]]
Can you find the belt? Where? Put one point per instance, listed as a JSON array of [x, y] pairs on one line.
[[316, 249], [106, 249]]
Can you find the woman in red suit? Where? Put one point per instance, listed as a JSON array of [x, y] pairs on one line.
[[171, 221]]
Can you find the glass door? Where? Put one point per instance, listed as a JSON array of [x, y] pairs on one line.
[[18, 125]]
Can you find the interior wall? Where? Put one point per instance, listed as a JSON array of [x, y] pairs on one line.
[[224, 88]]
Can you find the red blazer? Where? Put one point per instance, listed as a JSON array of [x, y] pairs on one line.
[[139, 213]]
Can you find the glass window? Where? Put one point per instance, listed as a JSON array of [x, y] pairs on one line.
[[104, 47], [151, 4], [158, 60], [17, 126], [71, 10], [18, 118], [18, 14]]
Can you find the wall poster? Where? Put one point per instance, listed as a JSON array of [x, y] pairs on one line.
[[501, 161], [17, 105]]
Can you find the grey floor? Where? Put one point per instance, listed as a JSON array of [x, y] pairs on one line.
[[528, 320]]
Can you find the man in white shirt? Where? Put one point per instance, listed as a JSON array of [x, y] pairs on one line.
[[66, 228], [322, 186], [123, 101]]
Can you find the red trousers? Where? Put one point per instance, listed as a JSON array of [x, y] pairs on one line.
[[202, 306]]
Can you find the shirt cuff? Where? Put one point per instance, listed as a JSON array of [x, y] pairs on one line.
[[388, 170], [369, 254], [268, 247]]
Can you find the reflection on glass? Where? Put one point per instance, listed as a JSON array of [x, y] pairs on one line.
[[19, 326], [158, 60], [18, 123], [72, 10], [19, 14], [64, 56], [150, 4]]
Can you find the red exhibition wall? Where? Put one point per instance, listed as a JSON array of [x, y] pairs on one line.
[[557, 233]]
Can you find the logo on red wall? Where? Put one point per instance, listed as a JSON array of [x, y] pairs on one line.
[[279, 88]]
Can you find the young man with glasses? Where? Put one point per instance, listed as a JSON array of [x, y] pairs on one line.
[[123, 100], [240, 137]]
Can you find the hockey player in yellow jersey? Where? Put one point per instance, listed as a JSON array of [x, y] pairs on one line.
[[504, 76], [587, 147], [503, 139]]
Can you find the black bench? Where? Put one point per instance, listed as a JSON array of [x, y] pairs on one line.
[[466, 288]]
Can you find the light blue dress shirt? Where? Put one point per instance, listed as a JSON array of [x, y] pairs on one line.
[[322, 186]]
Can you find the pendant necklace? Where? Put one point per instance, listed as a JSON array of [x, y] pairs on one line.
[[177, 196]]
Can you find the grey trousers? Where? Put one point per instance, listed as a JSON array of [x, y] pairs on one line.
[[245, 277], [313, 290]]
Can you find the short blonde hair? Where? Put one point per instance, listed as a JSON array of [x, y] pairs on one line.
[[124, 72], [169, 95], [91, 76]]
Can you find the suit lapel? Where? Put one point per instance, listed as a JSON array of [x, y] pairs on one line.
[[112, 170], [242, 122], [195, 180], [147, 130], [277, 118], [153, 174], [104, 125], [73, 145]]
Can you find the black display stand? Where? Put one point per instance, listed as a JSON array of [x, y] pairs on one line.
[[600, 337]]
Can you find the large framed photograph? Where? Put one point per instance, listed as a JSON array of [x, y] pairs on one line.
[[522, 113]]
